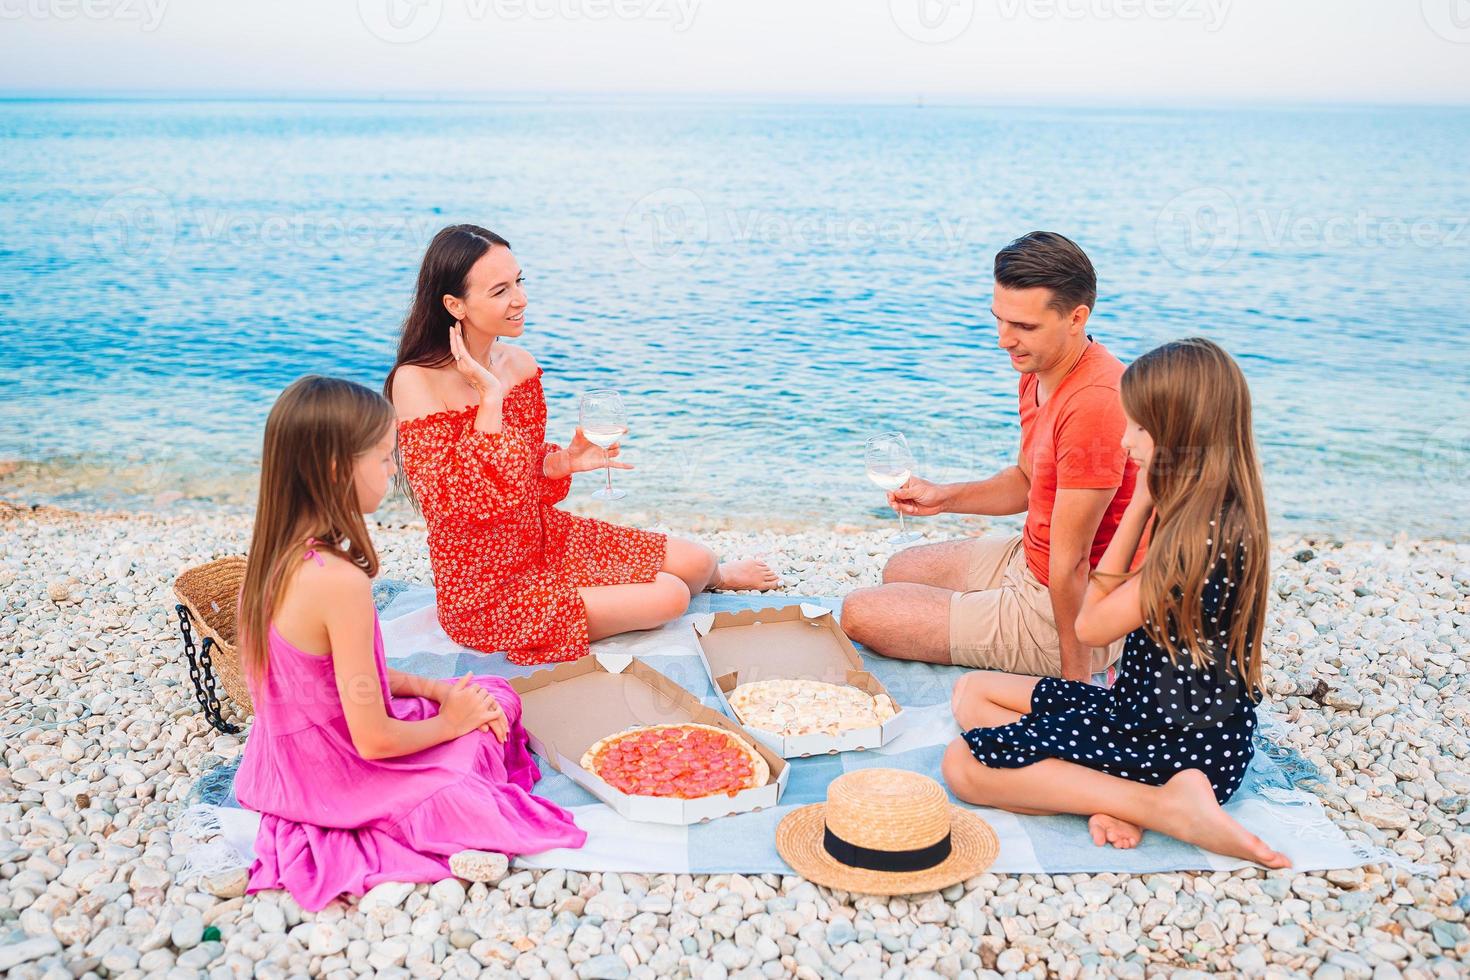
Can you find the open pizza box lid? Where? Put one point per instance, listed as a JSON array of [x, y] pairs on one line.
[[803, 642], [566, 709]]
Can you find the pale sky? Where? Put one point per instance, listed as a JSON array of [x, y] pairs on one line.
[[989, 51]]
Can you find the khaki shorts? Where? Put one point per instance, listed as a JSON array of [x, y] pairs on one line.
[[1004, 621]]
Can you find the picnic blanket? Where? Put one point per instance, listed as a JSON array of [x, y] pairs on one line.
[[1269, 803]]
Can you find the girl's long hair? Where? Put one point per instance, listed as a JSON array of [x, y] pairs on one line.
[[1205, 480], [314, 434], [425, 338]]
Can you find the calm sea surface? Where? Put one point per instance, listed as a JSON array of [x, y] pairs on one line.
[[766, 284]]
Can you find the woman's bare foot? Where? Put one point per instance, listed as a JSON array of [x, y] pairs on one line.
[[1191, 814], [749, 573], [1110, 830]]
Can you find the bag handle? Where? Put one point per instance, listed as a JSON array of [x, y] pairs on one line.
[[201, 672]]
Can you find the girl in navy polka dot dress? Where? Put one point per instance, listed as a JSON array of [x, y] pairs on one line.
[[1171, 740]]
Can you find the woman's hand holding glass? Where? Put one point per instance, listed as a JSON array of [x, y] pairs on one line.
[[582, 456], [604, 422]]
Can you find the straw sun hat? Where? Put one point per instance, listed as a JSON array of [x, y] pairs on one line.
[[886, 832]]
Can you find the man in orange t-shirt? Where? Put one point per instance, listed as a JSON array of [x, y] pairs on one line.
[[1011, 603]]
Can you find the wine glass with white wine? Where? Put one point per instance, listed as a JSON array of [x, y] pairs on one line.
[[890, 464], [604, 422]]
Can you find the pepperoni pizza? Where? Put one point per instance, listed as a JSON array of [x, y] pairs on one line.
[[684, 761]]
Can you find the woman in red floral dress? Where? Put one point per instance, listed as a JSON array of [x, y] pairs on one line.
[[511, 571]]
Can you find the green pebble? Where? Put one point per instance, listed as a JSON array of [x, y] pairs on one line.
[[211, 935]]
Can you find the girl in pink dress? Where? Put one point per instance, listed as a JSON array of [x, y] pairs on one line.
[[361, 774]]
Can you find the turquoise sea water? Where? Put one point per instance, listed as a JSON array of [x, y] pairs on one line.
[[766, 284]]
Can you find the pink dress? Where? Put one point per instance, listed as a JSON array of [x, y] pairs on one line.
[[334, 822]]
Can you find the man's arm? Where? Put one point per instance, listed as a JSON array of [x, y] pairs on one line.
[[1004, 493], [1074, 522]]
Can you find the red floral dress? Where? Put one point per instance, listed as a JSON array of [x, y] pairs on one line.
[[507, 564]]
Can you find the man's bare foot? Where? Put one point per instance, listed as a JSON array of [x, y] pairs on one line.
[[749, 573], [1110, 830], [1191, 814]]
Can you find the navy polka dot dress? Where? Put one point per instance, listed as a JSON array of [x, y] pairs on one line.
[[1159, 717]]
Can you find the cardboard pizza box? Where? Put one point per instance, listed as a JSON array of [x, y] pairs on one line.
[[569, 707], [803, 642]]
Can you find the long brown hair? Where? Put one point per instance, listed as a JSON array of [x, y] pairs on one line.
[[314, 434], [1192, 398], [424, 341], [425, 338]]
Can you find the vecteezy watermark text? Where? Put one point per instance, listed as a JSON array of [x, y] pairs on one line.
[[148, 14], [143, 224], [1202, 229], [408, 21], [940, 21], [672, 228], [679, 13], [752, 226], [1210, 13]]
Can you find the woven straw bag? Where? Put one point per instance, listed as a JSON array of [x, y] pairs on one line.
[[208, 597]]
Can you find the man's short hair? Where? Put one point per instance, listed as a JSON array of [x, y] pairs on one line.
[[1044, 258]]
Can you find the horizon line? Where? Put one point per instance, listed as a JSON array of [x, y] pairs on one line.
[[917, 100]]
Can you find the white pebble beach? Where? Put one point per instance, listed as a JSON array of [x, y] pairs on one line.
[[1366, 658]]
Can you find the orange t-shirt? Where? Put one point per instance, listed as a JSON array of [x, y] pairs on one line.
[[1074, 442]]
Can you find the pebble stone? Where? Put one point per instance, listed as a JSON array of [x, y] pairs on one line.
[[102, 741], [483, 866]]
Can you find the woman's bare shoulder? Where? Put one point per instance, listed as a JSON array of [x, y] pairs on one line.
[[523, 360], [418, 391]]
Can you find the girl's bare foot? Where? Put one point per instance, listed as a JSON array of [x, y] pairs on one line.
[[1192, 815], [1110, 830], [749, 573]]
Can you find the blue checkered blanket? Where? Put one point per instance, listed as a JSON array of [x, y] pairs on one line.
[[1270, 802]]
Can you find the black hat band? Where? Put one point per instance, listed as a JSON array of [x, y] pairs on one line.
[[918, 859]]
